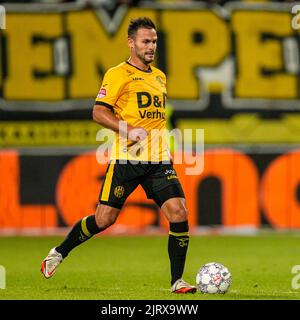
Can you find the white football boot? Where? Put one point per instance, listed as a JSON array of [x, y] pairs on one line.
[[50, 263], [180, 286]]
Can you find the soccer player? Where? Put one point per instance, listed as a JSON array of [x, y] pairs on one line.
[[134, 93]]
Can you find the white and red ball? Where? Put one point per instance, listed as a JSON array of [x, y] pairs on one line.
[[213, 277]]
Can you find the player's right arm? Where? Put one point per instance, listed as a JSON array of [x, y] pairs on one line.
[[103, 111], [107, 119]]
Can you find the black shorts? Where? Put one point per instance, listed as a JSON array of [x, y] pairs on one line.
[[159, 181]]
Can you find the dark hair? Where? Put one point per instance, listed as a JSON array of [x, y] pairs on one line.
[[138, 23]]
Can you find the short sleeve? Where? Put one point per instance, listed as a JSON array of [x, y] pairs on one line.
[[110, 90]]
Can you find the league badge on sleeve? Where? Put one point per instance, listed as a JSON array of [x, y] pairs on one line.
[[102, 93]]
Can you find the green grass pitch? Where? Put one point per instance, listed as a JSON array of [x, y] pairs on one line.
[[137, 267]]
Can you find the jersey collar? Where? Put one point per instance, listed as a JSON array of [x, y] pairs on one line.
[[146, 71]]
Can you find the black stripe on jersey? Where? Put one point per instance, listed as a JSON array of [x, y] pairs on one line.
[[104, 104]]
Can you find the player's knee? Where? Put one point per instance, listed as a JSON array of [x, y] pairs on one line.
[[104, 222], [105, 219], [178, 212]]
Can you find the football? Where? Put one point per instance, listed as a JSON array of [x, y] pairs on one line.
[[213, 277]]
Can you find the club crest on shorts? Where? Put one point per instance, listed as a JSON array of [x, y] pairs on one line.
[[119, 191]]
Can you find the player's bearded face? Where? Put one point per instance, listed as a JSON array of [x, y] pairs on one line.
[[144, 45]]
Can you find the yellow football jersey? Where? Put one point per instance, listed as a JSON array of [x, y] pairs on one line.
[[139, 98]]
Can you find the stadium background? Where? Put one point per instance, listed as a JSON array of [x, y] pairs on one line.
[[233, 70]]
